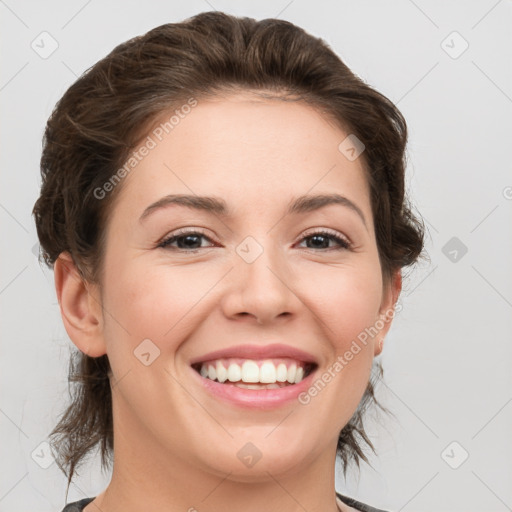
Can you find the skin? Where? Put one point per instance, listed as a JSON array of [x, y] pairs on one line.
[[176, 445]]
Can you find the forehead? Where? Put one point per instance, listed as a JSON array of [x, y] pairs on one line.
[[247, 149], [242, 125]]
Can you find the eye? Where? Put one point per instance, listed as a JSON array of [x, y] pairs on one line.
[[321, 239], [188, 241]]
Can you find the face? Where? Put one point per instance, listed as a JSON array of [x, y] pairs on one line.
[[258, 282]]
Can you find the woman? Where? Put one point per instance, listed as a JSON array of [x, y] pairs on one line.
[[223, 207]]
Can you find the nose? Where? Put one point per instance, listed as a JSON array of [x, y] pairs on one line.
[[261, 291]]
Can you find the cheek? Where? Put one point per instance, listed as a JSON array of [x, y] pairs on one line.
[[154, 302], [346, 300], [347, 303]]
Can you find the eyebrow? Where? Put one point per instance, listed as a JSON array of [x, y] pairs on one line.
[[216, 205]]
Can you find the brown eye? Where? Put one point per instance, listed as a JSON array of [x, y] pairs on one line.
[[321, 239], [185, 241]]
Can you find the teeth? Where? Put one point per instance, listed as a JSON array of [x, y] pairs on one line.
[[292, 370], [234, 372], [250, 372], [222, 373], [281, 373], [267, 373], [257, 386], [250, 375]]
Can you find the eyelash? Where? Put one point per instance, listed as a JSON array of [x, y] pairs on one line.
[[341, 241]]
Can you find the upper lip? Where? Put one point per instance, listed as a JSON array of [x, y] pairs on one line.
[[275, 350]]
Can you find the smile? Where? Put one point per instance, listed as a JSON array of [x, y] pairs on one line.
[[255, 374]]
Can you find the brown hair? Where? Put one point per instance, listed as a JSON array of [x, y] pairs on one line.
[[103, 116]]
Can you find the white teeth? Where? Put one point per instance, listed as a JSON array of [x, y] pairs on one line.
[[251, 373], [222, 373], [291, 373], [257, 386], [234, 372], [267, 373], [248, 386], [281, 373]]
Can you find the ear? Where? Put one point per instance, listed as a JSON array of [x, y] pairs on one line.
[[387, 309], [80, 307]]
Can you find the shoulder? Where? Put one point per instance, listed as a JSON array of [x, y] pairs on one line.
[[77, 506], [357, 505]]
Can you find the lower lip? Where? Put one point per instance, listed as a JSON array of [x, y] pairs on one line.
[[255, 398]]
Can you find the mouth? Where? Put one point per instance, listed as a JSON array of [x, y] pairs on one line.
[[255, 374]]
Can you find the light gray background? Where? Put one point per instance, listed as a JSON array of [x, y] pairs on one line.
[[448, 357]]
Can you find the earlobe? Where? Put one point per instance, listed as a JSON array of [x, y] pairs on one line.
[[79, 306], [388, 310]]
